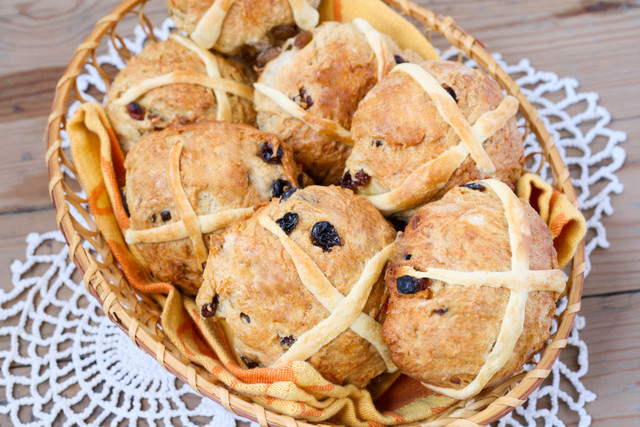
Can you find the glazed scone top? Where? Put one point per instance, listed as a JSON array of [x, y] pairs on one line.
[[323, 81], [175, 80], [479, 239], [228, 25], [329, 128], [436, 110], [278, 275], [189, 180]]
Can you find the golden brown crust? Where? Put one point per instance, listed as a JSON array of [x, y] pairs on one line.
[[252, 273], [248, 22], [184, 103], [220, 169], [335, 70], [443, 336], [397, 129]]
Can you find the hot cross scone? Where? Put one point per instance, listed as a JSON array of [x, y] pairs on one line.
[[473, 284], [190, 181], [302, 279], [229, 25], [176, 81], [427, 128], [307, 95]]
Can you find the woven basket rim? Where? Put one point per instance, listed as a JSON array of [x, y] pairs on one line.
[[194, 375]]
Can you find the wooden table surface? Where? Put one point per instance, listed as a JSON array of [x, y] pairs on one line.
[[594, 41]]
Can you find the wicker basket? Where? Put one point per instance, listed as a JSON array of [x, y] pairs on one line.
[[138, 315]]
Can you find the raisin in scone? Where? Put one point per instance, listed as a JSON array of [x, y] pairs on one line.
[[172, 81], [308, 94], [276, 281], [473, 283], [426, 128], [187, 182], [229, 25]]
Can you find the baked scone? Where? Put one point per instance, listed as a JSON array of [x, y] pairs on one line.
[[473, 283], [174, 80], [307, 95], [229, 25], [302, 280], [187, 182], [428, 127]]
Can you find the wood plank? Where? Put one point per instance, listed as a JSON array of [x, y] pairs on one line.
[[28, 94], [27, 87], [612, 334], [13, 232], [33, 33], [617, 268], [22, 166]]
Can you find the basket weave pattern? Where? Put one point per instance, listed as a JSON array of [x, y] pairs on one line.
[[138, 314]]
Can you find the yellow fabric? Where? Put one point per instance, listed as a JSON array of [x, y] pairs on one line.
[[100, 165], [565, 221], [383, 19]]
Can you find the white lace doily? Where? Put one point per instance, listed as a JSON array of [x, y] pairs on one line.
[[69, 365]]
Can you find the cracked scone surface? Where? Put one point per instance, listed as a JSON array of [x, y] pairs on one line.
[[262, 299], [334, 71], [247, 23], [183, 103], [443, 334], [221, 168], [397, 129]]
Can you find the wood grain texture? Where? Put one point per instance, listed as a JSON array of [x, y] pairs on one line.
[[592, 41], [22, 169], [14, 230], [612, 333]]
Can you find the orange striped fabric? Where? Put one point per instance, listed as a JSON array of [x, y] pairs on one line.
[[565, 221], [100, 165]]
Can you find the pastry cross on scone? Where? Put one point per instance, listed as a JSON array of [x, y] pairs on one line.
[[211, 65], [209, 27], [434, 174], [326, 127], [190, 224], [211, 80], [345, 312], [377, 43], [519, 280]]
